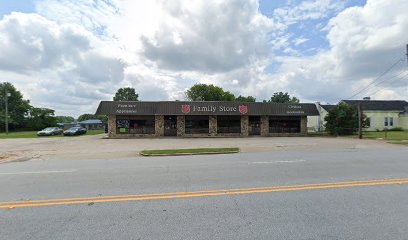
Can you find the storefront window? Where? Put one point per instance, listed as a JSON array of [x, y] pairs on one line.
[[135, 125], [229, 124], [197, 124], [284, 124]]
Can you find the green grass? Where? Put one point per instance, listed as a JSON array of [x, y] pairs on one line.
[[399, 142], [188, 151], [389, 135], [33, 134]]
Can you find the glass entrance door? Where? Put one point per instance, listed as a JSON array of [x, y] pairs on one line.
[[254, 125], [170, 125]]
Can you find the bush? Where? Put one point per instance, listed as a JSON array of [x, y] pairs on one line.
[[396, 129], [342, 120]]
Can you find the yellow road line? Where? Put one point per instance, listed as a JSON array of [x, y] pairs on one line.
[[197, 192], [209, 193]]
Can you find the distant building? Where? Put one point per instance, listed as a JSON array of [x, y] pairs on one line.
[[383, 114], [66, 126], [316, 123], [92, 124]]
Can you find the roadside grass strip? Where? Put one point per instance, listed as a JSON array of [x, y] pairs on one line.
[[196, 194], [189, 151], [402, 142]]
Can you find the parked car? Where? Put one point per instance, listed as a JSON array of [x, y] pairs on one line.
[[50, 131], [75, 131]]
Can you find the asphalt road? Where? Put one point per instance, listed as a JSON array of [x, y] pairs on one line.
[[365, 207]]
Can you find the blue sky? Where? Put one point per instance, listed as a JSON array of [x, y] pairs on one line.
[[161, 48], [8, 6]]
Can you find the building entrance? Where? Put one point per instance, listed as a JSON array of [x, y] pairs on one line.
[[254, 125], [170, 125]]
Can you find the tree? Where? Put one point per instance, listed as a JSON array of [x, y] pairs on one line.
[[126, 94], [280, 97], [343, 119], [64, 119], [17, 107], [245, 99], [204, 92], [39, 118], [88, 116]]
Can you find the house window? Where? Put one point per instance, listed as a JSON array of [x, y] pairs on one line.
[[386, 121], [391, 121]]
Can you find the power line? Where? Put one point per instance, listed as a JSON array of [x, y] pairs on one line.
[[381, 75], [387, 79], [391, 83]]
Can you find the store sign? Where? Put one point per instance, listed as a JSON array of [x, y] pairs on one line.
[[295, 109], [126, 108], [186, 108]]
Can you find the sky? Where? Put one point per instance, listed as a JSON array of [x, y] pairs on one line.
[[69, 55]]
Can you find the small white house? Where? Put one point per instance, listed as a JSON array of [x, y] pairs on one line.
[[383, 114]]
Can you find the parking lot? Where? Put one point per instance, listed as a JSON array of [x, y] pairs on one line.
[[97, 147]]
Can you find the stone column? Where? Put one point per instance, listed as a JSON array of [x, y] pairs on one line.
[[181, 125], [112, 126], [303, 124], [213, 125], [264, 126], [244, 125], [159, 125]]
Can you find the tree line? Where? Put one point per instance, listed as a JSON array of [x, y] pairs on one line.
[[23, 116], [208, 92]]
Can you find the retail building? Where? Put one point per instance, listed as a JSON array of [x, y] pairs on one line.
[[203, 119]]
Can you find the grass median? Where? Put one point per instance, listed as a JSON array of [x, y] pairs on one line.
[[189, 151]]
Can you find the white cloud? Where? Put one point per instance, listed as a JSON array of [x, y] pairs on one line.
[[364, 42], [75, 53], [56, 65]]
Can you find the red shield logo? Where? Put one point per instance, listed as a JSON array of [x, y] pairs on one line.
[[185, 109], [243, 109]]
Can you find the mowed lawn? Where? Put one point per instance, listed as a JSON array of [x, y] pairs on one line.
[[33, 134], [389, 135]]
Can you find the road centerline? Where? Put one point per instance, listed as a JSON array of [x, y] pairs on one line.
[[207, 193]]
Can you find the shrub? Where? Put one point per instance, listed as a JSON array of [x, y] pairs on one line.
[[396, 129]]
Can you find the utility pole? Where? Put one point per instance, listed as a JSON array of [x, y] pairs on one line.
[[6, 95], [407, 54], [360, 127]]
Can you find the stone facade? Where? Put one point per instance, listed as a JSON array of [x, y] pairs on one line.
[[159, 128], [181, 125], [112, 126], [159, 125], [303, 125], [244, 126], [213, 126], [264, 126]]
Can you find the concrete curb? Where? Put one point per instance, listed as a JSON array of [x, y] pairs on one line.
[[184, 154]]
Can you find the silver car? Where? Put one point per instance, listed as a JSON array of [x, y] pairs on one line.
[[50, 131]]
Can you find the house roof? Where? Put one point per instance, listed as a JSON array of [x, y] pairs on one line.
[[91, 121], [379, 105], [328, 107]]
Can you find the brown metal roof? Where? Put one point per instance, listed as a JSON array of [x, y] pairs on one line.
[[205, 108]]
